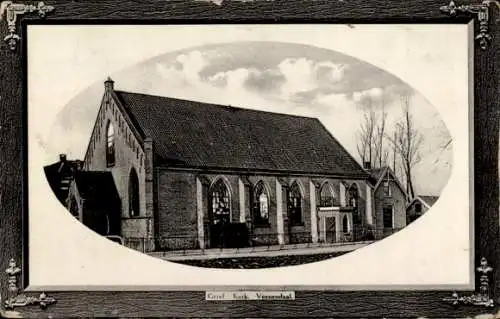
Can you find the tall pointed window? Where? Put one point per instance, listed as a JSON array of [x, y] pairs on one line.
[[353, 197], [221, 203], [327, 196], [260, 205], [295, 204], [133, 194], [110, 145]]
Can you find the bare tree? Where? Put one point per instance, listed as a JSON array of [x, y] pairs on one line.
[[366, 135], [381, 152], [406, 142]]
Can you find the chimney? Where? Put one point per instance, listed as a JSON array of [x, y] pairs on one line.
[[62, 157], [109, 84], [79, 165], [367, 165]]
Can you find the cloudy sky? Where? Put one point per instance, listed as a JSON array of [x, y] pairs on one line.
[[272, 76]]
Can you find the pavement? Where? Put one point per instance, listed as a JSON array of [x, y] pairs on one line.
[[259, 251]]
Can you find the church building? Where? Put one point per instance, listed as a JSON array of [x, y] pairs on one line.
[[192, 175]]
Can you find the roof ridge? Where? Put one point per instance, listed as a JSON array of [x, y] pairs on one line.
[[217, 105]]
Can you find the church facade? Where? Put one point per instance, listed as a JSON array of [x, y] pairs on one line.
[[193, 175]]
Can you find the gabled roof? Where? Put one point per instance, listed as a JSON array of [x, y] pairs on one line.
[[379, 174], [96, 187], [425, 199], [200, 135], [429, 200]]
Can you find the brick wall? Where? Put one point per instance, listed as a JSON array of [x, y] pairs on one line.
[[177, 217], [129, 153], [177, 207], [398, 202]]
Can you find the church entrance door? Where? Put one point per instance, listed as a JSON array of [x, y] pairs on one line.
[[330, 229]]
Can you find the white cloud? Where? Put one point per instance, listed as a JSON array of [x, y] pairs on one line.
[[302, 75], [374, 94], [334, 100], [184, 81], [192, 64], [232, 79]]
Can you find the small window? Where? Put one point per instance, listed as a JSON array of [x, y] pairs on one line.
[[387, 188], [345, 225], [387, 216], [110, 145], [260, 205], [418, 208]]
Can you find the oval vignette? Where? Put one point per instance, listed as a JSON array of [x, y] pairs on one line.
[[190, 155]]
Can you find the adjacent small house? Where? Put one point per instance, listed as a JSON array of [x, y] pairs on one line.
[[94, 200], [418, 206], [389, 200], [60, 175], [90, 196]]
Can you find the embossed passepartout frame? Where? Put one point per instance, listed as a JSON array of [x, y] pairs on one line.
[[13, 231]]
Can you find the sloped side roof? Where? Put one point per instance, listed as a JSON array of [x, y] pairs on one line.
[[56, 172], [429, 200], [194, 134], [376, 174], [96, 187]]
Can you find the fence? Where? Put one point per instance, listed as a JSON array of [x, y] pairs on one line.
[[259, 241]]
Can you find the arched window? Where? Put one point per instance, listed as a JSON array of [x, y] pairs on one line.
[[345, 224], [295, 204], [327, 196], [221, 203], [260, 204], [353, 196], [110, 145], [133, 194]]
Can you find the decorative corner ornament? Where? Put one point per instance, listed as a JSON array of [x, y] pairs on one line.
[[20, 300], [483, 297], [12, 10], [483, 13]]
